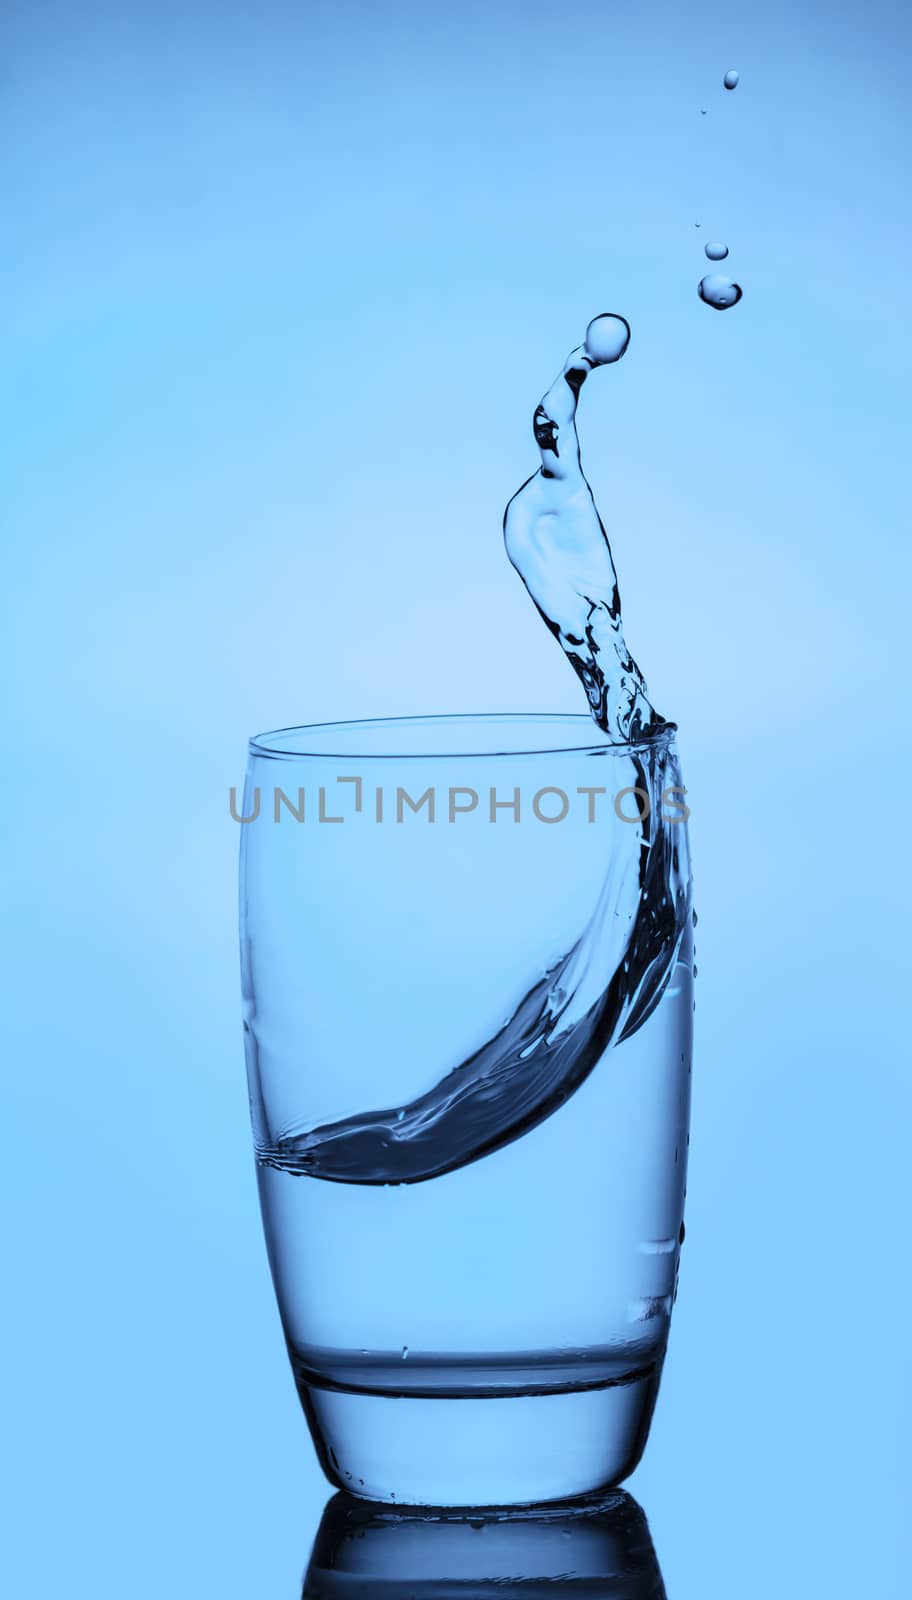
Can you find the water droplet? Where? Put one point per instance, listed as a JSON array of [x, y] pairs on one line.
[[716, 251], [719, 292], [732, 79], [607, 337], [696, 224], [400, 1116], [683, 1234], [702, 113], [404, 1352]]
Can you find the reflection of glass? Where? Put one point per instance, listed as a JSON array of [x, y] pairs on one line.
[[595, 1550], [468, 1022]]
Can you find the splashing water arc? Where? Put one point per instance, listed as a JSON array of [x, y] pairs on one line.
[[557, 543], [613, 977]]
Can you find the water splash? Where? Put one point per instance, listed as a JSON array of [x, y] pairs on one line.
[[719, 292], [716, 251], [731, 79], [599, 994], [557, 543], [613, 977]]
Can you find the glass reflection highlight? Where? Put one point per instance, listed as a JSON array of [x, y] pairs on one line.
[[596, 1549]]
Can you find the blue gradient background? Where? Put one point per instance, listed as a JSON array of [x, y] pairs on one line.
[[253, 258]]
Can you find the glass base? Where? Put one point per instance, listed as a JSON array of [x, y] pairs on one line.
[[489, 1452]]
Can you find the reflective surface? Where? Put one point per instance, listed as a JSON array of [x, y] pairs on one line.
[[600, 1550]]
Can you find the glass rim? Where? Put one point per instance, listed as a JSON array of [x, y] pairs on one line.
[[305, 741]]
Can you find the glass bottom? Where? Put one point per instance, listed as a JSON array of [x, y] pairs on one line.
[[513, 1450]]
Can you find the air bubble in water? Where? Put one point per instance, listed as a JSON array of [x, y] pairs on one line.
[[732, 79], [716, 251], [607, 337], [719, 292]]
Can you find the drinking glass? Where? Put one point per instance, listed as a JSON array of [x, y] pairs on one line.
[[467, 981]]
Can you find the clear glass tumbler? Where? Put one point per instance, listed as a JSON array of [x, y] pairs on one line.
[[467, 979]]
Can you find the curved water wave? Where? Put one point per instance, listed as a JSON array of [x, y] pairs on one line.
[[596, 996], [611, 980]]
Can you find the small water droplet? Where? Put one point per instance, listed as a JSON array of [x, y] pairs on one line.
[[400, 1116], [404, 1352], [732, 79], [702, 113], [695, 919], [716, 250], [683, 1234], [607, 337], [719, 292]]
